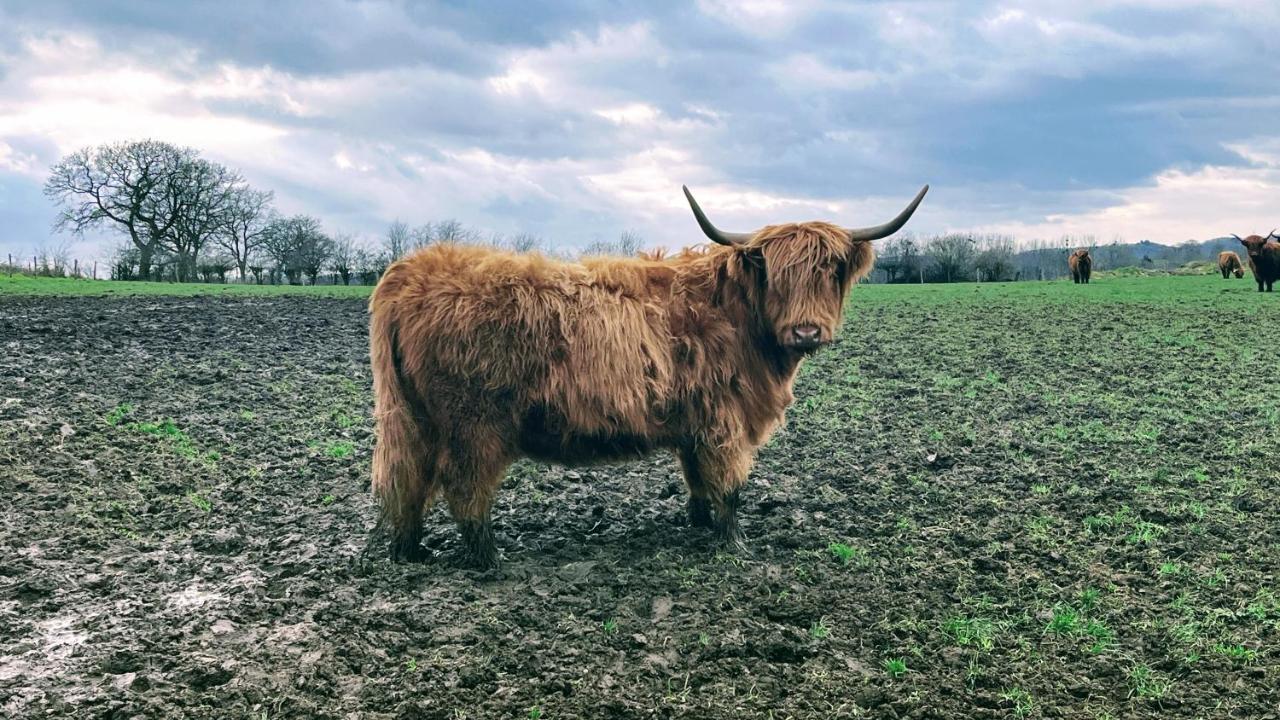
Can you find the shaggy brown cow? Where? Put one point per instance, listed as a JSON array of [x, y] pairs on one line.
[[1229, 264], [1081, 265], [1264, 258], [481, 357]]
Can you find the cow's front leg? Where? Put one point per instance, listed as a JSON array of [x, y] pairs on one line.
[[716, 476], [699, 506]]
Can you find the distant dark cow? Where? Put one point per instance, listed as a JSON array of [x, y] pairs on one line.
[[1264, 258], [1229, 264], [481, 357], [1081, 265]]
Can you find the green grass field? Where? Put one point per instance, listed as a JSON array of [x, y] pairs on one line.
[[1209, 291]]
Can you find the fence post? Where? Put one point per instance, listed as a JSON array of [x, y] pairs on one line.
[[75, 268], [95, 269]]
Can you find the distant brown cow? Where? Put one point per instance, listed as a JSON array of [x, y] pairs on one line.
[[1081, 265], [1264, 258], [1229, 264], [481, 357]]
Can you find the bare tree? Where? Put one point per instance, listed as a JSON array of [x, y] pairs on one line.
[[995, 259], [952, 257], [524, 242], [398, 240], [628, 244], [287, 243], [422, 235], [453, 231], [122, 185], [201, 194], [369, 263], [246, 224], [343, 259], [314, 253], [901, 259]]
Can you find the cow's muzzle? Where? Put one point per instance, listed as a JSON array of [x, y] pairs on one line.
[[805, 338]]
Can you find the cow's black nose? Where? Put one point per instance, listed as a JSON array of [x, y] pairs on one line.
[[807, 334]]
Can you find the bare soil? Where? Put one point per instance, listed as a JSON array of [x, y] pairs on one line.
[[1033, 528]]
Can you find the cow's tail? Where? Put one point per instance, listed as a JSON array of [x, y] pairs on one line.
[[401, 479]]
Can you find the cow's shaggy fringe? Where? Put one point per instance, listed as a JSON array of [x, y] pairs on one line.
[[482, 356]]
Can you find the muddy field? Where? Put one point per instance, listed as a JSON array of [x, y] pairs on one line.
[[1023, 501]]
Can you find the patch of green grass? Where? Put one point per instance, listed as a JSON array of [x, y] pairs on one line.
[[847, 553], [1147, 683], [610, 626], [200, 501], [327, 500], [1099, 634], [535, 713], [339, 449], [971, 631], [895, 667], [169, 431], [819, 630], [1065, 621], [1021, 700], [1235, 651], [118, 413]]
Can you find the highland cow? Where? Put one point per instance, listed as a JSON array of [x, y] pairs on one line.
[[1229, 264], [481, 357], [1264, 258], [1081, 265]]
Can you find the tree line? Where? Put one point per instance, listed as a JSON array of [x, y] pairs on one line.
[[186, 218], [968, 257]]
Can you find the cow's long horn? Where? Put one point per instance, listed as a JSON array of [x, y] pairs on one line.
[[712, 232], [1273, 234], [891, 227], [1237, 237]]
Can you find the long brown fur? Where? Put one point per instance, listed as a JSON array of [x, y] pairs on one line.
[[1264, 260], [482, 356], [1081, 265], [1229, 264]]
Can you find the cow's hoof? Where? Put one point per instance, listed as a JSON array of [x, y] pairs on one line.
[[479, 549], [409, 552], [735, 542], [479, 561]]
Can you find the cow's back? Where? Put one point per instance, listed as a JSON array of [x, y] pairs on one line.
[[509, 334]]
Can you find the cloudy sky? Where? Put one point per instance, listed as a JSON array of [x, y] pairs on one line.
[[1146, 119]]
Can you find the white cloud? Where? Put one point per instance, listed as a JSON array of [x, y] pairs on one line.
[[763, 18], [808, 72], [19, 162], [1177, 205]]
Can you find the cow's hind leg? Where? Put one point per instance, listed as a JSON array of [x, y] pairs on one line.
[[403, 484], [699, 502], [470, 478]]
